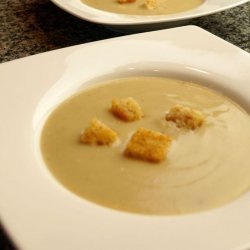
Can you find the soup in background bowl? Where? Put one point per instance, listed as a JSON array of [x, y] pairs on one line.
[[144, 7]]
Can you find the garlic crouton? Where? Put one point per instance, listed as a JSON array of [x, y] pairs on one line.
[[185, 117], [98, 133], [126, 1], [151, 4], [126, 109], [148, 145]]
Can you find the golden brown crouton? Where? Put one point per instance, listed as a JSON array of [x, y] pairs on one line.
[[126, 109], [126, 1], [185, 117], [151, 4], [148, 145], [98, 133]]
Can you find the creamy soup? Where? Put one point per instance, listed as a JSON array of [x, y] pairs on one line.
[[204, 168], [139, 7]]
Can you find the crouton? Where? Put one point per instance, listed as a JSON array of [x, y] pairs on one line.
[[148, 145], [98, 133], [126, 1], [151, 4], [185, 117], [126, 109]]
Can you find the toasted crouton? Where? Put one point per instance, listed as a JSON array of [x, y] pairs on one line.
[[151, 4], [98, 133], [126, 1], [185, 117], [148, 145], [126, 109]]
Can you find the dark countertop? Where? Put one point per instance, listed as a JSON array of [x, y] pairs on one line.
[[28, 27]]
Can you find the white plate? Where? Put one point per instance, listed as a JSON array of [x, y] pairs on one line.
[[134, 22], [39, 213]]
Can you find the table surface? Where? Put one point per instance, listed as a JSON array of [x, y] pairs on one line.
[[34, 26]]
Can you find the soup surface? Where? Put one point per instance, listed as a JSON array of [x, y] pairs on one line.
[[139, 7], [204, 168]]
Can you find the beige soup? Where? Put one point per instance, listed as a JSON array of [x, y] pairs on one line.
[[205, 168], [139, 7]]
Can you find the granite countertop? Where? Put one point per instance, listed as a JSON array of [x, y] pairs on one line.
[[34, 26]]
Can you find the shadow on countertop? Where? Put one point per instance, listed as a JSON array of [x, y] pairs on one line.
[[5, 243]]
